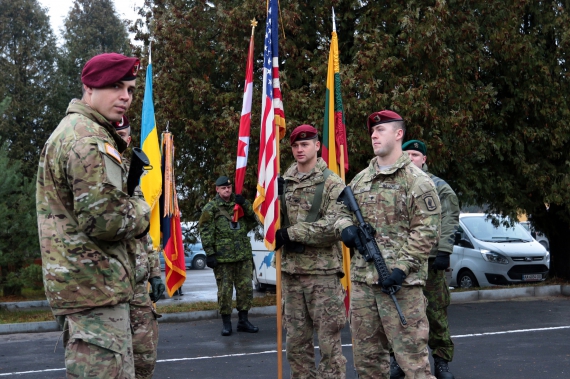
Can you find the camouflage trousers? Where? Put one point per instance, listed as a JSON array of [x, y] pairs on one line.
[[314, 303], [376, 327], [145, 340], [437, 293], [238, 275], [98, 343]]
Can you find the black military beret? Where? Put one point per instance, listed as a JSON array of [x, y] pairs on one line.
[[223, 181]]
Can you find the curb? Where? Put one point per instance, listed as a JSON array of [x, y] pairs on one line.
[[456, 298]]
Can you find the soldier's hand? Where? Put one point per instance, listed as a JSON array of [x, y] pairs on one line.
[[211, 261], [441, 261], [396, 278], [281, 238], [280, 186], [240, 199], [157, 288], [351, 238]]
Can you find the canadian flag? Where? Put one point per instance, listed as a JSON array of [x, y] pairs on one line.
[[244, 126]]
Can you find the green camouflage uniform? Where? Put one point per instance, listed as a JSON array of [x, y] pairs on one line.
[[436, 289], [313, 297], [401, 204], [232, 249], [85, 218]]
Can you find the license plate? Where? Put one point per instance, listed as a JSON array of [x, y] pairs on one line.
[[532, 277]]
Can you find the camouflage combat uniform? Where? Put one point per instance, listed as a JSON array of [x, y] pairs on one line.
[[401, 204], [232, 249], [313, 297], [85, 218], [436, 289], [143, 315]]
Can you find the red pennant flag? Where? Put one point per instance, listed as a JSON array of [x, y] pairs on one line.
[[245, 122]]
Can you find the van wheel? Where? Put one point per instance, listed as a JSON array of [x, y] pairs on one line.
[[199, 263], [466, 279]]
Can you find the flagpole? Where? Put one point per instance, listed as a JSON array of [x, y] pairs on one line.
[[278, 276]]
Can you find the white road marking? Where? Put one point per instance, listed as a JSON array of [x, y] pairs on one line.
[[275, 351]]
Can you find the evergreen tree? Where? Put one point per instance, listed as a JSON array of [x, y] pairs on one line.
[[92, 27], [484, 83], [27, 62], [19, 243]]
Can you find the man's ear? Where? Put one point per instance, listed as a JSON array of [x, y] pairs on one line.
[[318, 144]]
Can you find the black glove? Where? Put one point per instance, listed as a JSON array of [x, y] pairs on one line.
[[350, 237], [281, 238], [211, 261], [441, 261], [240, 199], [280, 186], [157, 288], [396, 278]]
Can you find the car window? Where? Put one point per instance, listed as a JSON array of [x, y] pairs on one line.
[[483, 229]]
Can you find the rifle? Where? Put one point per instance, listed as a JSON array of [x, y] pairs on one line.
[[138, 162], [370, 251]]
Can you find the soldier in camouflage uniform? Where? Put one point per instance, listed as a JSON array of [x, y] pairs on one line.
[[228, 251], [400, 202], [436, 289], [313, 297], [85, 218], [147, 270]]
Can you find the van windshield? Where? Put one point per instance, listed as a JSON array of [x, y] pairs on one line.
[[484, 230]]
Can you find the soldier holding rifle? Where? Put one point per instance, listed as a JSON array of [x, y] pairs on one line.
[[399, 202]]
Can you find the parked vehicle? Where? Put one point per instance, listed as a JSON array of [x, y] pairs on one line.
[[264, 274], [486, 255], [541, 238], [194, 257]]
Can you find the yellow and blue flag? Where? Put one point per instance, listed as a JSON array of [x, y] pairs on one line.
[[151, 183]]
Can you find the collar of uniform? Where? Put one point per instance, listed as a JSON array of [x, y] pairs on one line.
[[402, 161], [81, 107], [292, 171], [425, 168]]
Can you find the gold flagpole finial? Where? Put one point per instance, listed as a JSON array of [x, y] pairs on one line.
[[253, 25]]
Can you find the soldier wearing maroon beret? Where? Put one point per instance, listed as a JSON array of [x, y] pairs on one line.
[[311, 265], [86, 219], [400, 203]]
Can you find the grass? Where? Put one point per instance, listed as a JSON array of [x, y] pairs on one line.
[[20, 316]]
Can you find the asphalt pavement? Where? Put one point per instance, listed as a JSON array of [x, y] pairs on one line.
[[525, 338]]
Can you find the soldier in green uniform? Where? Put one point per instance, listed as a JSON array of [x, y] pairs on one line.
[[86, 217], [313, 297], [400, 202], [228, 251], [436, 289], [143, 316]]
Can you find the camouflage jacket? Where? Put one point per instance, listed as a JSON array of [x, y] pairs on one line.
[[84, 214], [227, 245], [147, 266], [449, 214], [323, 253], [401, 204]]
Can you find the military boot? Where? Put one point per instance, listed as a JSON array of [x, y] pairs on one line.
[[441, 370], [396, 371], [227, 329], [244, 325]]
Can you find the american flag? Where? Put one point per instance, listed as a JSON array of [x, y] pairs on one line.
[[265, 204]]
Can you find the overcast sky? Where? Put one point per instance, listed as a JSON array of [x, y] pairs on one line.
[[58, 10]]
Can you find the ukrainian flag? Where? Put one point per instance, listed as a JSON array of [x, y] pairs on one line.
[[151, 183]]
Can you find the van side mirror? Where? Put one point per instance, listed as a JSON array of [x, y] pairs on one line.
[[457, 239]]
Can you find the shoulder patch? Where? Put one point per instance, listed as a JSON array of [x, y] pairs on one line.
[[431, 205], [111, 151]]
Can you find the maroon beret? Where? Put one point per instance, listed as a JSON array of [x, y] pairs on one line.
[[123, 124], [382, 117], [105, 69], [303, 132]]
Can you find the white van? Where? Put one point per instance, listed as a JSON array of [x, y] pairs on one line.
[[264, 274], [486, 255]]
